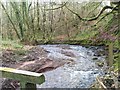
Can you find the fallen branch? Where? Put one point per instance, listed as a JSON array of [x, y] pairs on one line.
[[115, 79], [115, 82], [101, 83]]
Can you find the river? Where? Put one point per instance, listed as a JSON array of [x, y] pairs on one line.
[[82, 70]]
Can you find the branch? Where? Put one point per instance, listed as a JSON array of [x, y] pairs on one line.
[[94, 18], [86, 19], [10, 20], [94, 8], [101, 83], [104, 8], [107, 14], [58, 7], [75, 13], [29, 6]]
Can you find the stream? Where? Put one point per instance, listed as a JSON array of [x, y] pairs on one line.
[[80, 72]]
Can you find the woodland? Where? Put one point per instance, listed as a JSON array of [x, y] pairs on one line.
[[26, 25]]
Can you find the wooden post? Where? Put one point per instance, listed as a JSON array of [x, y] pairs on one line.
[[27, 86], [27, 79], [22, 85], [110, 54], [31, 86]]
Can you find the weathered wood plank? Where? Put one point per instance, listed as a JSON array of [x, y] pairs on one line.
[[110, 56], [22, 76]]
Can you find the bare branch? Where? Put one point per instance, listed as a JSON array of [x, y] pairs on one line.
[[10, 20], [101, 83], [106, 14], [94, 8], [104, 8], [58, 7], [75, 13], [86, 19], [94, 18]]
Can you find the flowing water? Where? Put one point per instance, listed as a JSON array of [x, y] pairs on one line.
[[79, 73]]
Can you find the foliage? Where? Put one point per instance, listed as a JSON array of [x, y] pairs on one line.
[[31, 21], [8, 44]]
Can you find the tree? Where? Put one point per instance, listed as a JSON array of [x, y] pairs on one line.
[[114, 9]]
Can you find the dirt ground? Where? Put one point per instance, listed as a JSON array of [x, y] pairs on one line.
[[31, 58]]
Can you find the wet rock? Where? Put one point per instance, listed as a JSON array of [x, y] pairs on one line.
[[119, 78], [67, 53], [42, 65], [35, 53], [116, 50], [95, 58], [97, 55], [100, 52], [95, 72], [64, 46], [100, 64]]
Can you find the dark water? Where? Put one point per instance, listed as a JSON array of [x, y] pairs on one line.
[[80, 73]]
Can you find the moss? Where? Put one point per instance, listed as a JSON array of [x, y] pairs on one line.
[[20, 52], [8, 44]]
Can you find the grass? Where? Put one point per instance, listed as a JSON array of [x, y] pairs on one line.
[[20, 52], [86, 35], [15, 46], [8, 44]]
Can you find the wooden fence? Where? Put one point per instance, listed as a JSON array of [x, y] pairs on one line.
[[27, 79]]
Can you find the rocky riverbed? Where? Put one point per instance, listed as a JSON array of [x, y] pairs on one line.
[[64, 66], [80, 72]]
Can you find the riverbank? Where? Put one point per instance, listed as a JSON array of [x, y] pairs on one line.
[[43, 59], [26, 57]]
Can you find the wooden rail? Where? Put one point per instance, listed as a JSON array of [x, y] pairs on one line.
[[27, 79]]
